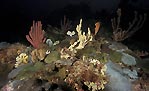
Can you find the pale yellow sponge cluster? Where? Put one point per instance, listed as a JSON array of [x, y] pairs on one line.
[[21, 59]]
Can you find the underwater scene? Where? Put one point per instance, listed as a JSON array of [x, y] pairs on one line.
[[78, 54]]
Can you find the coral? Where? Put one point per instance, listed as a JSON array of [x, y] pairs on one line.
[[66, 24], [87, 64], [38, 54], [50, 43], [54, 33], [36, 35], [21, 59], [141, 53], [66, 53], [119, 34], [70, 33], [97, 26], [83, 39], [87, 72]]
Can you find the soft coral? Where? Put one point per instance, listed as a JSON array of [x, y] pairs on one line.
[[36, 34]]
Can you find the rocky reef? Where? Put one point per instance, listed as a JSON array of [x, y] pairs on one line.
[[80, 61]]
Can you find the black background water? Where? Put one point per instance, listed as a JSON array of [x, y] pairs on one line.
[[16, 17]]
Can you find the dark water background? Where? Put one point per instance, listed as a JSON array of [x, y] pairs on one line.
[[16, 22]]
